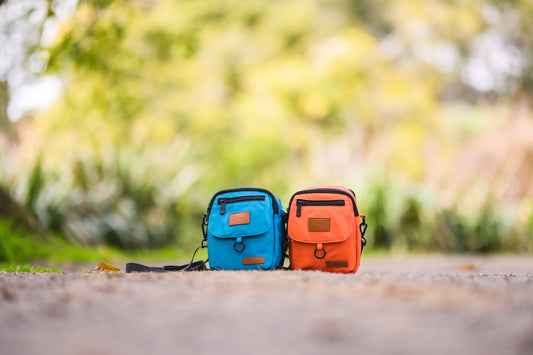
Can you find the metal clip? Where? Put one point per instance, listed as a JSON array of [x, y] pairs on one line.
[[204, 231]]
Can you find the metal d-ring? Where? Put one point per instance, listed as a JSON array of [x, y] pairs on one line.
[[239, 250], [320, 257]]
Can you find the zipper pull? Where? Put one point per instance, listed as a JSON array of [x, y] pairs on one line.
[[222, 206], [299, 208]]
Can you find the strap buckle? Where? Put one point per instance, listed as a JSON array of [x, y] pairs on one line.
[[362, 228]]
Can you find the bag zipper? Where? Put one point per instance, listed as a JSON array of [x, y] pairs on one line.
[[300, 203], [336, 191], [223, 201], [275, 206]]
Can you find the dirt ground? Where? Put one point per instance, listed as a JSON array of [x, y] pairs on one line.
[[416, 305]]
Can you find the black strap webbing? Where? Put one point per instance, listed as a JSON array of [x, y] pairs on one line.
[[134, 267], [362, 228], [192, 266], [195, 266]]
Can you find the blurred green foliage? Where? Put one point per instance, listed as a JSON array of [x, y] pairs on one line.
[[18, 246], [418, 224], [166, 102], [15, 246], [26, 268]]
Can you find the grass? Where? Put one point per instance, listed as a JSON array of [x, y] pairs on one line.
[[26, 268], [17, 245], [19, 248]]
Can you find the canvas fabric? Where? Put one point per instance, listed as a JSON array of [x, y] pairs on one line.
[[324, 230], [245, 230]]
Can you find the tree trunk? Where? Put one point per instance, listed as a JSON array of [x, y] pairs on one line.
[[11, 209]]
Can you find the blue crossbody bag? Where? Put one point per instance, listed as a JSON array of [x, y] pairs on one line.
[[244, 229]]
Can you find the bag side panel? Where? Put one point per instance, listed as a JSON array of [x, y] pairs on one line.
[[279, 235]]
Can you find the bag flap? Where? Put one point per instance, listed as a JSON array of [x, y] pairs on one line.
[[321, 218], [240, 214]]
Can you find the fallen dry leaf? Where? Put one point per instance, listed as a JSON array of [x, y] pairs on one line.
[[464, 266], [102, 266]]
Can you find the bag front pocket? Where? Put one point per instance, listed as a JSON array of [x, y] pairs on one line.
[[240, 216], [324, 221]]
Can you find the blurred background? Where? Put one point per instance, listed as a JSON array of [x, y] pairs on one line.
[[120, 119]]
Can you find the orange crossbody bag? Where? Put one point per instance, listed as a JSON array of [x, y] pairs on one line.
[[325, 230]]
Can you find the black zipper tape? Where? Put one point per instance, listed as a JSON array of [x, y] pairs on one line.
[[223, 201], [329, 191], [275, 206], [300, 203]]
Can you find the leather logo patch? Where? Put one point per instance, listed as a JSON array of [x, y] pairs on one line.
[[336, 263], [318, 225], [253, 261], [239, 218]]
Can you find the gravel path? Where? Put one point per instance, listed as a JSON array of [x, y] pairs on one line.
[[419, 305]]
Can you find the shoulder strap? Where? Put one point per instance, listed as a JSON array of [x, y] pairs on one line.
[[195, 266], [192, 266], [134, 267]]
